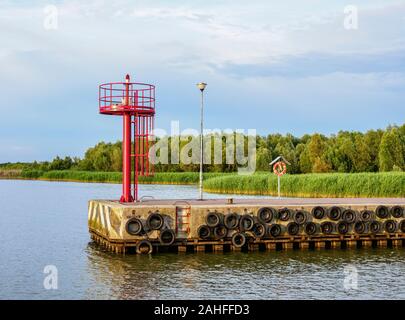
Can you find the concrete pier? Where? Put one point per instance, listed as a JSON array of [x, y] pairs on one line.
[[184, 226]]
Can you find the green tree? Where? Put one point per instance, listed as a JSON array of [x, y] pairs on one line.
[[116, 157], [372, 139], [391, 154], [316, 148], [263, 159], [61, 164], [362, 157], [305, 161]]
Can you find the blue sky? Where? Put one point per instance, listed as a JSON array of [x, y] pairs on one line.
[[275, 66]]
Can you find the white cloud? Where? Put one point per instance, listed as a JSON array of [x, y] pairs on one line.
[[106, 31], [236, 47]]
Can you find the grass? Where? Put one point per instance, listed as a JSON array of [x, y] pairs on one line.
[[382, 184], [116, 177], [72, 175]]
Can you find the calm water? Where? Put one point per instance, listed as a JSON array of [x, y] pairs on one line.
[[45, 223]]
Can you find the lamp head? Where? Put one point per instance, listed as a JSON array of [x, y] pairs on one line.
[[201, 86]]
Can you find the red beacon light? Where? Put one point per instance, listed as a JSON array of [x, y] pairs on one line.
[[135, 102]]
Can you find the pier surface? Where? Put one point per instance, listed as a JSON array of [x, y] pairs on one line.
[[271, 201]]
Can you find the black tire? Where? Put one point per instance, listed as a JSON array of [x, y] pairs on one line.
[[366, 215], [220, 232], [213, 219], [231, 220], [284, 214], [401, 226], [238, 239], [375, 226], [343, 227], [328, 227], [349, 216], [155, 221], [318, 212], [167, 237], [246, 222], [144, 247], [397, 212], [334, 213], [390, 226], [311, 228], [259, 230], [293, 229], [275, 230], [360, 227], [204, 232], [382, 212], [134, 227], [266, 214], [301, 217]]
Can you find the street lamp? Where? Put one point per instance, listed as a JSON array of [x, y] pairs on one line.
[[201, 86]]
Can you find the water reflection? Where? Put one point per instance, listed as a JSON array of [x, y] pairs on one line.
[[261, 275]]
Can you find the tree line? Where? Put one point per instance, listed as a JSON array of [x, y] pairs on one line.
[[346, 151]]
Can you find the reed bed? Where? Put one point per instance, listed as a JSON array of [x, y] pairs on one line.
[[10, 173], [382, 184], [116, 177]]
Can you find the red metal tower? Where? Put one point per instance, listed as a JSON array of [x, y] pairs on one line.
[[135, 102]]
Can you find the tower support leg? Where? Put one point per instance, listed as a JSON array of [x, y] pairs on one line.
[[126, 160]]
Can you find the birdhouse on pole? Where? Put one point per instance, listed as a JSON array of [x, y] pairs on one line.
[[279, 165]]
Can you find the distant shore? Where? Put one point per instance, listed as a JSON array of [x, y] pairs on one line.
[[381, 184]]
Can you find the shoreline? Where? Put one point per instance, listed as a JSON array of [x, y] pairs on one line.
[[94, 181]]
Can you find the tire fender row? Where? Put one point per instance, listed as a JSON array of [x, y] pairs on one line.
[[269, 222]]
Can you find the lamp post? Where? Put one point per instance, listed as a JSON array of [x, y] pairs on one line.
[[201, 86]]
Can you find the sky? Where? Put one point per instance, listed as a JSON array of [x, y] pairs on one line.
[[286, 66]]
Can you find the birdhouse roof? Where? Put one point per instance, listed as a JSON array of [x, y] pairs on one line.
[[279, 158]]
